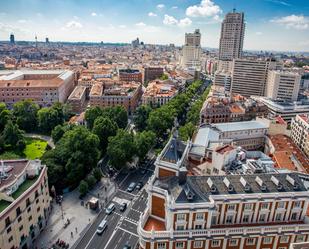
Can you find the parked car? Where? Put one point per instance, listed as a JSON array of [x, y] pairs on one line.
[[110, 208], [131, 187], [123, 207], [139, 185]]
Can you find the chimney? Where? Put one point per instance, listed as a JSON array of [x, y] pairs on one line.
[[182, 178]]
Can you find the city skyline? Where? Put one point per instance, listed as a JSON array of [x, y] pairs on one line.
[[278, 25]]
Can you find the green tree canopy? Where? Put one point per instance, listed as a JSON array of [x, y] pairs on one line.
[[12, 135], [141, 116], [83, 188], [5, 115], [143, 142], [92, 114], [118, 114], [186, 131], [121, 148], [104, 128], [25, 113]]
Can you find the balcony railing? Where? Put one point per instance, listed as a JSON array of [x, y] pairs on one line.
[[147, 235]]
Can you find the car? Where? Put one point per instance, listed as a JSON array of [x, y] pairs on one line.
[[126, 246], [123, 207], [102, 226], [139, 185], [131, 187], [110, 208]]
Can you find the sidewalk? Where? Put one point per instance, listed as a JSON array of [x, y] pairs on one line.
[[80, 216]]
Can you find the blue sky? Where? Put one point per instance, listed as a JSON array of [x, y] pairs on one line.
[[270, 24]]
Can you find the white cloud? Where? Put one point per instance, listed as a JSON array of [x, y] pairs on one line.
[[160, 6], [169, 20], [140, 24], [151, 14], [258, 33], [206, 8], [184, 22], [93, 14], [22, 21], [172, 21], [122, 26], [73, 24], [293, 21], [174, 7]]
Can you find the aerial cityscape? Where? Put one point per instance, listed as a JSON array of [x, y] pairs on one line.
[[154, 124]]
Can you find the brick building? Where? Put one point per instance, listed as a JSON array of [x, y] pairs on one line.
[[129, 75], [77, 99], [152, 73]]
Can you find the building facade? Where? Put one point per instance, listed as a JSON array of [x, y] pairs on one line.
[[24, 210], [152, 73], [77, 99], [44, 87], [232, 36], [251, 211], [300, 132], [283, 85], [129, 75]]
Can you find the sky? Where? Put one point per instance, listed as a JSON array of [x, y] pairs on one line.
[[281, 25]]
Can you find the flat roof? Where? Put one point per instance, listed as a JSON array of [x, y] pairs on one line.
[[77, 92], [238, 126]]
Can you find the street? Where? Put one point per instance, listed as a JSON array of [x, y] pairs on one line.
[[121, 226]]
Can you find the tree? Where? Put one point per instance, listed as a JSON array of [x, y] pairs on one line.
[[186, 131], [91, 180], [104, 128], [141, 116], [119, 115], [121, 148], [83, 188], [97, 174], [91, 115], [48, 118], [164, 77], [143, 142], [25, 113], [5, 115], [58, 132], [12, 135]]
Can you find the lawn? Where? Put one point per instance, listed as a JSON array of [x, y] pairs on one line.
[[23, 187], [35, 148]]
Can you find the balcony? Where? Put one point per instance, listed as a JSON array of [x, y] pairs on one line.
[[150, 228]]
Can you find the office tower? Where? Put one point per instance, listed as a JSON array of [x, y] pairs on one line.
[[135, 43], [12, 38], [191, 51], [232, 36], [283, 85], [47, 40], [249, 76]]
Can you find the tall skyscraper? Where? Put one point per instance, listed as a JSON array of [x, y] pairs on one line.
[[12, 38], [191, 51], [232, 36]]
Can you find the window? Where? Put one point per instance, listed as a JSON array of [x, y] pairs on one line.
[[214, 220], [262, 217], [250, 241], [297, 204], [267, 240], [21, 227], [182, 227], [215, 243], [181, 217], [229, 219], [233, 242], [18, 212], [300, 238], [264, 206], [248, 206], [179, 245], [281, 204], [9, 230], [294, 216], [199, 216], [7, 222], [19, 219], [231, 207], [161, 245], [245, 219], [278, 217], [28, 202], [284, 239], [282, 247], [10, 239], [198, 244], [198, 227], [30, 218]]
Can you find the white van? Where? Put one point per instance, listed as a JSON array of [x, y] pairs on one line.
[[110, 209], [102, 227]]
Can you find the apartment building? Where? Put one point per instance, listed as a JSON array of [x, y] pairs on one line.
[[283, 85], [300, 132], [251, 211], [191, 51], [223, 79], [249, 76], [129, 75], [158, 93], [152, 73], [24, 202], [232, 36], [44, 87], [126, 94], [77, 99]]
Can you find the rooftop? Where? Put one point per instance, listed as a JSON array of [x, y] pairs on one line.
[[77, 92], [240, 126]]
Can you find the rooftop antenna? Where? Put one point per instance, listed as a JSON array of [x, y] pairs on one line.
[[234, 8], [36, 40]]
